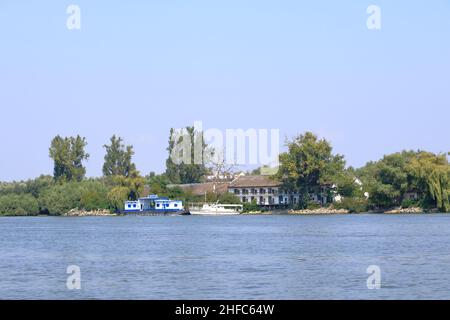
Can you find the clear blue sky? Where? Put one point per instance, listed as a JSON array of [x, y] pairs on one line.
[[137, 68]]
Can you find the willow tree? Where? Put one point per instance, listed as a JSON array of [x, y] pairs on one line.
[[117, 196], [432, 175]]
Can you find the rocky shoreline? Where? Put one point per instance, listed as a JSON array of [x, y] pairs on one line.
[[319, 211], [413, 210], [83, 213]]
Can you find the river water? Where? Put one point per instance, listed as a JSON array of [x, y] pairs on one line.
[[234, 257]]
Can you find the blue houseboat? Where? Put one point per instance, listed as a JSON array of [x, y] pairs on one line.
[[153, 204]]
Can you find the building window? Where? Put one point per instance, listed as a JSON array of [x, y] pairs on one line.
[[129, 205]]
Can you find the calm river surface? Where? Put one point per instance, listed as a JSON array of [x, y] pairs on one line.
[[235, 257]]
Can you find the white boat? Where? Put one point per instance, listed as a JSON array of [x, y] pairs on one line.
[[218, 209]]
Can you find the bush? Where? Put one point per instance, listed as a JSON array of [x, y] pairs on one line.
[[354, 205], [409, 203], [94, 195], [250, 206], [33, 186], [18, 205], [117, 196], [61, 198], [224, 198], [311, 205], [93, 200], [229, 198]]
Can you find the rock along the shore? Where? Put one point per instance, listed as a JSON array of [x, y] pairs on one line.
[[319, 211], [405, 210], [83, 213]]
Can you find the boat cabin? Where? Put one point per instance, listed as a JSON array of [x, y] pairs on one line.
[[154, 203]]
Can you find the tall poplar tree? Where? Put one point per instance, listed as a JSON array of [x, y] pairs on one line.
[[68, 155], [118, 158]]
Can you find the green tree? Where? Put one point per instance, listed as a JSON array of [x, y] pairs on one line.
[[117, 196], [36, 186], [18, 205], [61, 198], [189, 171], [118, 158], [423, 173], [159, 184], [251, 207], [388, 179], [308, 165], [133, 184], [224, 198], [431, 175], [346, 185], [94, 195], [68, 155]]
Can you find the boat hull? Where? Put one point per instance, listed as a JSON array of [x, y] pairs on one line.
[[156, 213], [213, 213]]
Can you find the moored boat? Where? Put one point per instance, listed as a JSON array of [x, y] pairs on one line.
[[218, 209], [154, 205]]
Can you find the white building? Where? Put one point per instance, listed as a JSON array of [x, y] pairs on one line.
[[266, 192]]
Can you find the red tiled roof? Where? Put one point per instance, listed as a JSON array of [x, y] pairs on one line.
[[254, 182], [199, 189]]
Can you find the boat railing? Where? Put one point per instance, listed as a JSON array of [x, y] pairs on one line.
[[199, 206]]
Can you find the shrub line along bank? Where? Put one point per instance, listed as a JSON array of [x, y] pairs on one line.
[[309, 177]]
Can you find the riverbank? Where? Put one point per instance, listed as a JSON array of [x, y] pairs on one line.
[[319, 211], [322, 211], [84, 213], [332, 211]]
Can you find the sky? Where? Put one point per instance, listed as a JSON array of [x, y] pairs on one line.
[[138, 68]]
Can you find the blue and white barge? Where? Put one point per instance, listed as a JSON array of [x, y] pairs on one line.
[[154, 205]]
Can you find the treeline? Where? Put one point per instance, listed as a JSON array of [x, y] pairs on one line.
[[308, 167], [408, 178], [46, 196], [404, 179], [68, 188]]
